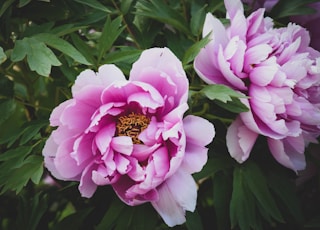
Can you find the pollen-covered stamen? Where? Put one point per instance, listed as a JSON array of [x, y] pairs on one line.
[[132, 125]]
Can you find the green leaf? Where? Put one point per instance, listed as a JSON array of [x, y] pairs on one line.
[[193, 50], [214, 165], [286, 191], [258, 186], [95, 5], [293, 7], [193, 221], [15, 155], [30, 211], [144, 217], [111, 31], [19, 51], [6, 87], [7, 108], [122, 55], [113, 214], [3, 56], [197, 20], [235, 106], [242, 205], [40, 58], [5, 6], [160, 11], [23, 3], [74, 220], [31, 130], [221, 93], [63, 46], [222, 190], [17, 177]]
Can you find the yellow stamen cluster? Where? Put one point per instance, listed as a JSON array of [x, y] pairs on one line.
[[132, 125]]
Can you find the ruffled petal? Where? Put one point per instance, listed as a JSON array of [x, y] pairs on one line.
[[240, 140], [176, 195]]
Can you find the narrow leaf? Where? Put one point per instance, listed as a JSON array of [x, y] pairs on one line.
[[95, 5], [111, 31], [258, 186], [193, 51]]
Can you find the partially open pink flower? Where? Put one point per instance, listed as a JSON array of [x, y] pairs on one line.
[[308, 21], [132, 135], [279, 72]]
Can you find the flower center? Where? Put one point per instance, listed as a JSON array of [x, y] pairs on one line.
[[132, 125]]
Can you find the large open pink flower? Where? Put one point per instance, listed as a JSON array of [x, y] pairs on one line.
[[279, 72], [132, 134]]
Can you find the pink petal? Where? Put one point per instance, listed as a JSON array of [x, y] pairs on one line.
[[195, 158], [166, 63], [104, 137], [106, 75], [263, 75], [122, 163], [176, 195], [57, 112], [122, 144], [49, 152], [225, 69], [285, 155], [240, 140], [86, 186], [198, 130], [217, 29], [65, 163]]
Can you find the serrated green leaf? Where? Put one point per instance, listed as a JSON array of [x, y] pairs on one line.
[[63, 46], [40, 58], [83, 47], [235, 106], [7, 108], [16, 155], [3, 56], [95, 5], [159, 10], [31, 130], [221, 93], [16, 178], [19, 51], [111, 31], [193, 51], [258, 186]]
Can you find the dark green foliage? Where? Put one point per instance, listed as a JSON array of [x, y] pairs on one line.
[[44, 45]]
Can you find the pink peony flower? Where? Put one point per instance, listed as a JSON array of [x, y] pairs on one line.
[[279, 72], [310, 21], [132, 135]]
